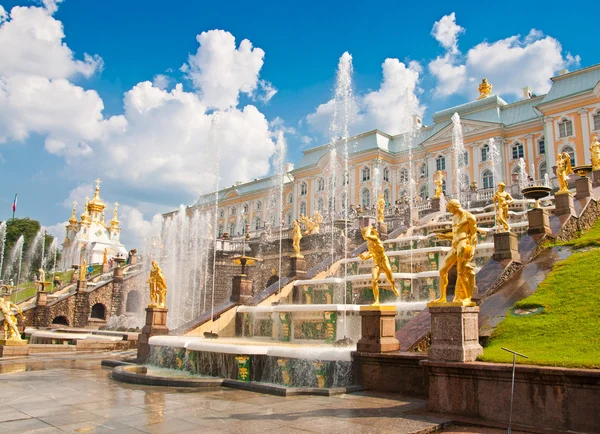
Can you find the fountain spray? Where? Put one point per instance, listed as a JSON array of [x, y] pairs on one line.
[[2, 245], [216, 140], [458, 148]]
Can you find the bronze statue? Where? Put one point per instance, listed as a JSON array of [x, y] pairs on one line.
[[438, 180], [158, 287], [563, 170], [297, 236], [380, 208], [595, 151], [11, 332], [501, 201], [464, 241], [380, 261]]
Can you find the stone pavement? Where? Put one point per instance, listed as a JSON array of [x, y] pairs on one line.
[[73, 393]]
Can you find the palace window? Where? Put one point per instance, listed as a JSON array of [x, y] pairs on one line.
[[542, 170], [331, 206], [320, 184], [565, 128], [571, 153], [403, 175], [331, 182], [220, 230], [366, 174], [488, 179], [386, 196], [346, 178], [320, 205], [597, 121], [245, 208], [464, 182], [541, 146], [365, 198], [386, 174], [422, 172], [518, 151], [257, 223], [258, 206], [444, 186], [423, 191], [303, 188], [440, 163], [289, 198], [485, 151], [232, 210], [303, 208], [466, 158], [288, 219], [232, 228], [221, 213]]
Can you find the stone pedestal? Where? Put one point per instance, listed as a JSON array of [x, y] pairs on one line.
[[118, 274], [506, 246], [74, 276], [564, 204], [454, 333], [13, 348], [156, 325], [435, 204], [583, 187], [383, 231], [105, 268], [42, 299], [13, 342], [595, 178], [378, 330], [241, 291], [133, 260], [81, 285], [297, 267], [539, 221], [366, 221]]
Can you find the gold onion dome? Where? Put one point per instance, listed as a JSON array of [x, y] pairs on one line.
[[73, 219], [96, 204], [85, 217], [114, 223]]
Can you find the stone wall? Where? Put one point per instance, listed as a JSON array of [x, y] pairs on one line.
[[392, 372]]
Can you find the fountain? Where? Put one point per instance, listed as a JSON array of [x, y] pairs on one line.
[[2, 245], [458, 152]]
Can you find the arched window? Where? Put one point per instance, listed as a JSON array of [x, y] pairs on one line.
[[257, 223], [133, 301], [488, 179], [245, 225], [232, 228], [331, 182], [303, 188], [386, 174], [331, 204], [597, 121], [220, 230], [485, 152], [424, 191], [464, 182], [440, 163], [320, 205], [444, 186], [346, 178], [303, 208], [366, 174], [221, 213], [232, 210], [61, 320], [98, 311], [245, 209], [541, 146], [288, 219], [466, 158], [403, 175], [320, 184], [571, 153], [518, 151], [543, 170], [565, 128], [258, 205], [365, 198], [422, 171], [386, 196], [289, 198]]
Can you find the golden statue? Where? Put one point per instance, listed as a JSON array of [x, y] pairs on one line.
[[82, 270], [11, 332], [317, 219], [595, 151], [311, 225], [297, 236], [464, 241], [438, 180], [485, 89], [563, 170], [501, 201], [380, 208], [158, 287], [105, 257], [380, 261]]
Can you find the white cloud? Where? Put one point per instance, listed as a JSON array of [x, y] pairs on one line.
[[509, 64], [446, 32], [161, 81], [389, 108], [133, 226], [306, 140], [58, 231], [51, 5], [3, 14], [220, 71]]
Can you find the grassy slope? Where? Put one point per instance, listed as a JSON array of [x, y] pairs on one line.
[[567, 332]]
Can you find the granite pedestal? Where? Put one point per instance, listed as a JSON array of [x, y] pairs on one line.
[[42, 299], [13, 348], [156, 325], [506, 246], [596, 178], [241, 290], [539, 221], [454, 333], [378, 330], [382, 229], [105, 268], [435, 204], [564, 203], [297, 266], [81, 285], [583, 187], [118, 274]]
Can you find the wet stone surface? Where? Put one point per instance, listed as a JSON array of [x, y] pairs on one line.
[[73, 393]]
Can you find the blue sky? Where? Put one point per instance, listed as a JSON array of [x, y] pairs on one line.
[[53, 149]]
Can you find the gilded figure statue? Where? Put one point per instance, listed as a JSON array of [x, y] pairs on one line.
[[11, 332], [296, 236], [485, 89], [502, 199], [563, 170], [380, 208], [105, 257], [595, 151], [317, 219], [438, 180], [82, 270], [311, 225], [158, 287], [464, 241], [380, 261]]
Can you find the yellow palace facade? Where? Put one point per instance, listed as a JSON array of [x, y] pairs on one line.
[[536, 128]]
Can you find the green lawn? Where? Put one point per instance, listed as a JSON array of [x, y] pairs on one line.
[[590, 239], [567, 332], [28, 289]]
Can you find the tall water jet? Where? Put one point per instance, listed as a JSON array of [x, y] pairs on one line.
[[280, 166], [494, 159], [34, 254], [215, 133], [458, 150], [2, 245], [523, 177]]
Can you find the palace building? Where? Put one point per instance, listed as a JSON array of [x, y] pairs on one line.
[[536, 129]]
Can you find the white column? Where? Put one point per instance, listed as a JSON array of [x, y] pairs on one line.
[[550, 150], [530, 155], [500, 145], [585, 127]]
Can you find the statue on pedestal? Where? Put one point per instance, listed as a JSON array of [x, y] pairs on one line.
[[82, 270], [438, 180], [464, 241], [380, 208], [11, 332], [485, 89], [158, 287], [297, 236], [595, 151], [380, 261], [501, 201], [563, 170], [105, 257]]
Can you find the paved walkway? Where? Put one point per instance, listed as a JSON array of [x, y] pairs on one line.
[[66, 393]]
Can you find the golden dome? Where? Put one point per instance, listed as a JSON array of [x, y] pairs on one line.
[[85, 217], [114, 223], [96, 204], [73, 219]]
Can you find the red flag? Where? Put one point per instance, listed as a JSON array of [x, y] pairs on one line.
[[14, 205]]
